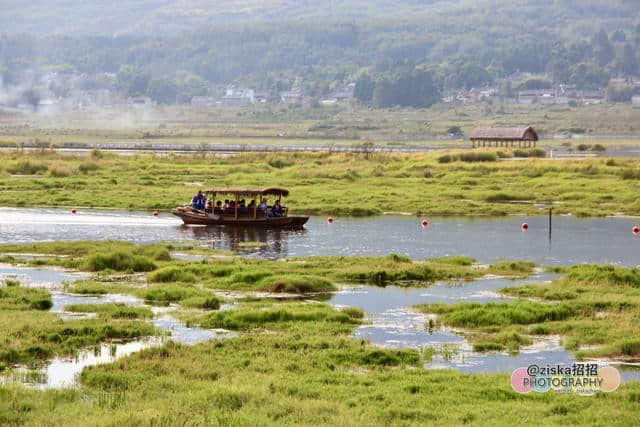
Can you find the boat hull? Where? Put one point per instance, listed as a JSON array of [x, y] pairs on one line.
[[196, 218]]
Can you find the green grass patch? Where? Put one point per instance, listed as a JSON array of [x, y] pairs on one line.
[[118, 261], [112, 310], [17, 298], [284, 315], [355, 185], [512, 268], [31, 336], [474, 315]]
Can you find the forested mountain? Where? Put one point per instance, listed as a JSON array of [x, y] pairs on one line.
[[174, 49]]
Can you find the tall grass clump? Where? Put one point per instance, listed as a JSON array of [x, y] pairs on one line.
[[296, 284], [256, 318], [88, 166], [17, 298], [11, 283], [119, 261], [628, 174], [205, 302], [604, 275], [58, 170], [173, 293], [27, 167], [469, 157], [111, 310], [454, 260], [476, 315], [172, 274], [512, 267]]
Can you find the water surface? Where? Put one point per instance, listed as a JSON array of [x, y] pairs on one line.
[[592, 240]]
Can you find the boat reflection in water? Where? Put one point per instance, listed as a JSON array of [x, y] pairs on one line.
[[259, 241]]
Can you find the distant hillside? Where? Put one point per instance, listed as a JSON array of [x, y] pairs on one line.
[[175, 49], [162, 17]]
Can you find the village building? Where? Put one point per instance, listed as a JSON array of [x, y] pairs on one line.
[[203, 101], [503, 137]]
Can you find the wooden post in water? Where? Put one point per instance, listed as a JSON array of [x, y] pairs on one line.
[[550, 223]]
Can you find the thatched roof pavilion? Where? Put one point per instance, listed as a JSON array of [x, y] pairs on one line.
[[524, 136]]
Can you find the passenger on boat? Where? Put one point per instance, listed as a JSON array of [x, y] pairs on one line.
[[263, 205], [276, 209], [199, 201], [218, 208], [226, 204], [209, 208], [252, 204], [241, 204]]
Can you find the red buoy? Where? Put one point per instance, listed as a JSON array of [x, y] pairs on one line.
[[73, 211], [155, 213], [330, 220], [424, 223], [636, 230], [525, 226]]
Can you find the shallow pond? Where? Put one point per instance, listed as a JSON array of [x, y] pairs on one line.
[[37, 277], [62, 372], [573, 240], [392, 323]]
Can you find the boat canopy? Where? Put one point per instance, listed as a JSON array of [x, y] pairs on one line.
[[272, 191]]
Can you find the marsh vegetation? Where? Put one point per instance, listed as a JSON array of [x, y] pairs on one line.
[[334, 184]]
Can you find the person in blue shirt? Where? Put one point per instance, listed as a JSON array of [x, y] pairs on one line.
[[199, 201], [263, 205]]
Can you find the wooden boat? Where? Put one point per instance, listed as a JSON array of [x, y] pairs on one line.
[[250, 216]]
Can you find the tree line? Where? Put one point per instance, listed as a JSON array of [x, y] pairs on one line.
[[408, 60]]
